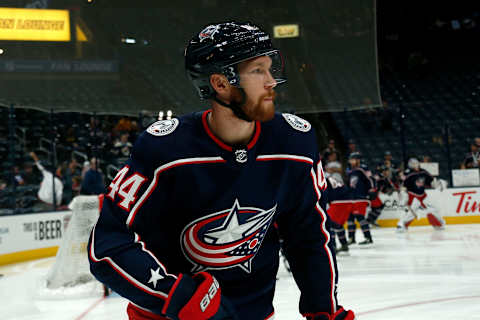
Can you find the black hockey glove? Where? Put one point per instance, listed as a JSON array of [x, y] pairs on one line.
[[341, 314], [197, 298]]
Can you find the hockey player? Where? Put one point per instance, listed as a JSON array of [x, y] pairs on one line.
[[186, 230], [415, 181], [375, 208], [339, 208], [361, 189], [383, 184]]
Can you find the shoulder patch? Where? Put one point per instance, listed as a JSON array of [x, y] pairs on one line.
[[163, 127], [297, 123]]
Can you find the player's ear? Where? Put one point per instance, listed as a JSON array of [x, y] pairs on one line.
[[220, 84]]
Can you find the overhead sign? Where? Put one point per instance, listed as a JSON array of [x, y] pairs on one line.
[[286, 31], [34, 24]]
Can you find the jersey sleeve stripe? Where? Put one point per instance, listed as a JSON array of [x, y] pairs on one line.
[[322, 182], [170, 294], [341, 201], [326, 234], [315, 187], [122, 272], [157, 173], [360, 201], [164, 269], [291, 157]]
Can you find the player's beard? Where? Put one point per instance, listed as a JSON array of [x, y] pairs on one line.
[[260, 110]]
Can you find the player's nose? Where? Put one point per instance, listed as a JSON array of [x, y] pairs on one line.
[[270, 82]]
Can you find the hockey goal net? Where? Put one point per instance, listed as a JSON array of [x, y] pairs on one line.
[[70, 273]]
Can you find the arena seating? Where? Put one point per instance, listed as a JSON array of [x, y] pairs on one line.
[[444, 98]]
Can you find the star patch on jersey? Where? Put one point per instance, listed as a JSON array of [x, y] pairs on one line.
[[297, 123], [226, 239], [163, 127], [155, 277]]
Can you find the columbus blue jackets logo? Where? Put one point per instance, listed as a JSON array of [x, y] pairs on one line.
[[163, 127], [297, 123], [420, 182], [353, 182], [208, 32], [226, 239]]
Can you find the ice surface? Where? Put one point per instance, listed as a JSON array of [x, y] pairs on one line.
[[423, 274]]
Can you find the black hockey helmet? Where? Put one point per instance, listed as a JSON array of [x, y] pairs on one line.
[[218, 48], [355, 155]]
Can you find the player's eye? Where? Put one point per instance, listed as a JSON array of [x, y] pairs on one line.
[[257, 70]]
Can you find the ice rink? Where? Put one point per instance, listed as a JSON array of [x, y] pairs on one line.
[[424, 274]]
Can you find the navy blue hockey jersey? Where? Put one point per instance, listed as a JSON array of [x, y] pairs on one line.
[[416, 181], [360, 184], [186, 202], [337, 191], [385, 185]]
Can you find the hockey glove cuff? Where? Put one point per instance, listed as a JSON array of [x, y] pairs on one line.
[[341, 314], [197, 298]]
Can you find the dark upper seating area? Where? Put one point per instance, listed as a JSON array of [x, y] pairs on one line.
[[444, 98]]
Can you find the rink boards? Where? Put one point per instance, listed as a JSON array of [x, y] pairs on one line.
[[457, 205], [31, 236]]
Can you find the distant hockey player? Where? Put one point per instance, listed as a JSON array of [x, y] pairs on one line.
[[186, 229], [361, 189], [339, 208], [383, 184], [376, 205], [415, 181]]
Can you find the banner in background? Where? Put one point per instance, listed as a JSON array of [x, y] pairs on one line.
[[465, 177], [454, 202], [34, 24], [431, 167], [58, 66], [32, 231]]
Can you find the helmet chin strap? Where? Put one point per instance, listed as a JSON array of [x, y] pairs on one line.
[[236, 107]]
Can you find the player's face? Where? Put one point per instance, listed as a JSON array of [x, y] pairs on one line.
[[354, 162], [258, 83]]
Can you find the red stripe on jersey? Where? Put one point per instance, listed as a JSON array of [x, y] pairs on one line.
[[144, 248], [326, 234], [121, 272], [210, 133], [170, 294], [255, 136], [330, 258], [223, 145], [274, 157], [161, 169]]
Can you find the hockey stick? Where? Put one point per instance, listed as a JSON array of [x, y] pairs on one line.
[[413, 212]]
